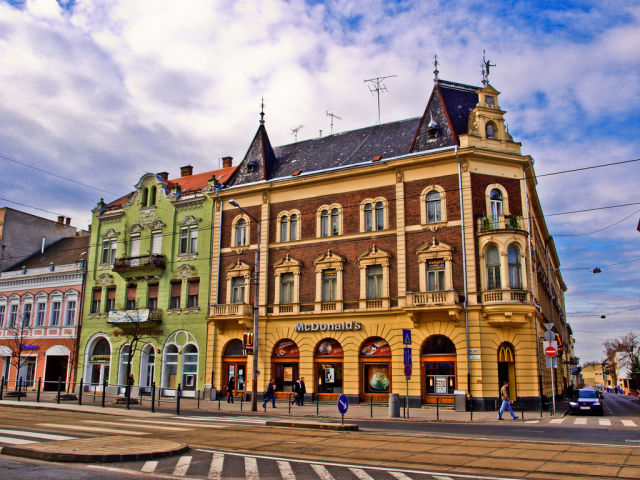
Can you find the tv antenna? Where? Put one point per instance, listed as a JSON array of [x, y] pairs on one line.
[[294, 131], [332, 115], [376, 86]]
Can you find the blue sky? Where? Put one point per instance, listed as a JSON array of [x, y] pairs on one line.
[[103, 91]]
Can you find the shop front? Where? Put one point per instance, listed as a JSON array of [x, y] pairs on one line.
[[97, 366], [438, 362], [375, 370], [285, 360], [328, 359], [234, 366]]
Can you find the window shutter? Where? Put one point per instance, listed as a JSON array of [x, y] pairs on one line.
[[97, 293], [194, 287], [153, 291], [111, 294], [131, 292], [175, 289]]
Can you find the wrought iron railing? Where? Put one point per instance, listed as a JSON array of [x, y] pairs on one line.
[[142, 261], [500, 222]]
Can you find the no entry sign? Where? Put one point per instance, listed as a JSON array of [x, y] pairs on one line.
[[550, 351]]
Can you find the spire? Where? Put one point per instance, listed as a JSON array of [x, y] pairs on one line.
[[435, 68], [262, 112]]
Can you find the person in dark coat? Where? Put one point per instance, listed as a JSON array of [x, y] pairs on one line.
[[303, 390], [230, 386], [296, 392], [270, 394]]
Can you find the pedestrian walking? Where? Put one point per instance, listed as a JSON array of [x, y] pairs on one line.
[[270, 394], [506, 401], [230, 386], [303, 390], [296, 392]]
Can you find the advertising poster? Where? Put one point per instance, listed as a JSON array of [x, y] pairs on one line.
[[286, 348], [377, 347], [329, 375], [441, 385], [330, 348], [377, 377], [288, 374]]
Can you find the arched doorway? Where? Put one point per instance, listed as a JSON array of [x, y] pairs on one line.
[[507, 368], [147, 368], [189, 368], [98, 364], [328, 359], [234, 364], [438, 361], [55, 367], [375, 369], [284, 366]]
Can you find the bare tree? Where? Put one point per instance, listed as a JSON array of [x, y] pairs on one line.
[[628, 346], [19, 342]]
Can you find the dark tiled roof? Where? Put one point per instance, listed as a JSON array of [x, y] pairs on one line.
[[459, 100], [63, 252]]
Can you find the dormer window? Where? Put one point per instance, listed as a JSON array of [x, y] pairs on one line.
[[490, 131], [251, 165], [432, 129]]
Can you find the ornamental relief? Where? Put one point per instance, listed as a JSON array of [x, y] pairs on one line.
[[135, 228], [189, 220], [148, 218], [105, 279], [110, 233], [185, 270]]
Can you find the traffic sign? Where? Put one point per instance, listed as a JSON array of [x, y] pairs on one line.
[[549, 335], [548, 326], [343, 404], [550, 351], [406, 336], [408, 370], [407, 356]]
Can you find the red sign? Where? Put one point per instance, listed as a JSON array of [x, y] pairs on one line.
[[550, 351], [407, 370]]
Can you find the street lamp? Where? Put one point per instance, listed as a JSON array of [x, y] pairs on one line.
[[256, 273]]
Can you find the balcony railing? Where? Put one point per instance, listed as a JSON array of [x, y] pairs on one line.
[[233, 310], [431, 299], [505, 296], [141, 264], [500, 222]]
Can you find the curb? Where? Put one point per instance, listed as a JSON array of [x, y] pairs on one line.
[[346, 427]]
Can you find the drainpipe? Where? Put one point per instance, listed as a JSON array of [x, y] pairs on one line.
[[213, 360], [538, 350], [83, 266], [464, 272]]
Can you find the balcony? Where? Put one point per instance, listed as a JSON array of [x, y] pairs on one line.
[[505, 296], [442, 305], [232, 310], [139, 316], [500, 222], [140, 266]]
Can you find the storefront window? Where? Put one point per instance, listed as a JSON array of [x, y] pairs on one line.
[[440, 378], [170, 379], [376, 377], [189, 367], [285, 365], [328, 359]]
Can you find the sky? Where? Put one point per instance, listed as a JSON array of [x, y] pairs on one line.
[[101, 92]]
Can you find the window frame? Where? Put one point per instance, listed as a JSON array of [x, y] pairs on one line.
[[238, 269], [435, 251], [286, 266], [288, 226], [235, 231], [324, 262], [374, 256], [424, 206], [329, 221], [374, 215]]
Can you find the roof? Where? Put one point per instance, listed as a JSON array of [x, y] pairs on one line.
[[63, 252]]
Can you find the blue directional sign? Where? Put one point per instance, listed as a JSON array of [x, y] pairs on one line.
[[343, 404], [406, 336], [407, 356]]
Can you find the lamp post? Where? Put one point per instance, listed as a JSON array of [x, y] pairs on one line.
[[256, 273]]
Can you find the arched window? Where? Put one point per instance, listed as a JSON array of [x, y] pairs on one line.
[[493, 268], [241, 233], [515, 269], [335, 221], [379, 216], [438, 345], [490, 131], [324, 223], [284, 224], [170, 379], [368, 217], [152, 195], [189, 366], [434, 211], [143, 197], [293, 227], [101, 348], [496, 203]]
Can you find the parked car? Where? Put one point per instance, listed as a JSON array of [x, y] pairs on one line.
[[597, 390], [587, 401]]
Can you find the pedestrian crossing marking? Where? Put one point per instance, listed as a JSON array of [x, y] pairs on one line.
[[361, 474], [149, 466], [439, 477], [285, 470], [580, 421], [16, 441], [322, 472], [604, 421], [628, 423], [557, 420], [44, 436], [223, 419], [182, 466], [215, 471], [129, 424], [399, 475], [183, 424], [88, 428], [251, 468]]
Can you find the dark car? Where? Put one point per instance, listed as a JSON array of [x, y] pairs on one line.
[[587, 401]]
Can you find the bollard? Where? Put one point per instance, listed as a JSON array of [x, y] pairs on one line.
[[19, 388], [104, 390], [289, 403], [80, 391], [59, 388], [404, 408], [471, 407], [198, 399], [178, 393], [241, 400], [39, 385], [1, 386], [541, 405], [317, 405], [437, 409], [371, 406], [394, 405], [153, 397], [219, 398], [521, 408], [127, 393]]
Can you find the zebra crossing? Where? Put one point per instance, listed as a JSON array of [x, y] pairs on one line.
[[23, 437], [215, 465], [590, 421]]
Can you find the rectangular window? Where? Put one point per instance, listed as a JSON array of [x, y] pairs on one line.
[[55, 313], [324, 223], [379, 216], [95, 300], [109, 250], [237, 290], [329, 285], [368, 218], [374, 281], [2, 313], [193, 239], [286, 288], [293, 228], [184, 240], [13, 316], [26, 314], [194, 290], [135, 246], [189, 239], [111, 299], [131, 297], [40, 310], [174, 300], [335, 222], [284, 224], [156, 242], [152, 297], [70, 318], [435, 275]]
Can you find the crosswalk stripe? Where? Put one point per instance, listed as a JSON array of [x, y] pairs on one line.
[[399, 475], [92, 429], [440, 477], [182, 466], [183, 424], [15, 441], [44, 436], [251, 468], [224, 419], [557, 420], [322, 472], [286, 471], [129, 424], [149, 466], [604, 421], [628, 423], [580, 421], [215, 471], [361, 474]]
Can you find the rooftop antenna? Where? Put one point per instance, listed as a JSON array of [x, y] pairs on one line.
[[486, 67], [294, 131], [332, 115], [435, 68], [376, 86]]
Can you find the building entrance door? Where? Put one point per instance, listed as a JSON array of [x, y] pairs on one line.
[[507, 369], [55, 367]]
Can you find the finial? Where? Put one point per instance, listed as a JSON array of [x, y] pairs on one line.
[[486, 67], [435, 68], [262, 112]]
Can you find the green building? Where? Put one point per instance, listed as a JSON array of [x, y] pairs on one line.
[[148, 283]]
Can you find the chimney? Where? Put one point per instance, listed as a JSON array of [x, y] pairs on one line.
[[164, 175], [226, 162], [60, 218], [186, 171], [67, 221]]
